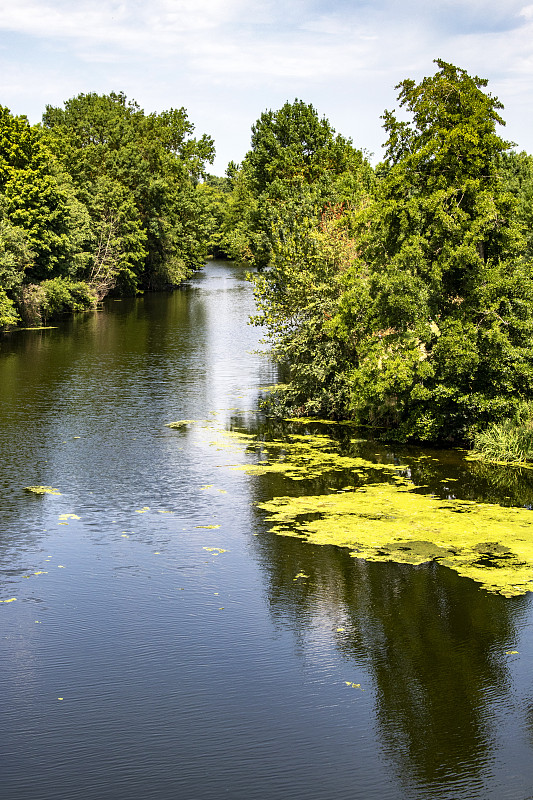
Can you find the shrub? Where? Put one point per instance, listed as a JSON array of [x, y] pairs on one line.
[[509, 441], [51, 298]]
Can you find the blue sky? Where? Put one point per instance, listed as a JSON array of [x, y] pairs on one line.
[[226, 61]]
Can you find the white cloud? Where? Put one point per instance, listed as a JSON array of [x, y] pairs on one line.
[[227, 60]]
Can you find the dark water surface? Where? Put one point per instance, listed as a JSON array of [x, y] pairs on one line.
[[192, 674]]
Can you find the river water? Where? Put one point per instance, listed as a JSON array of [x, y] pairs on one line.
[[161, 644]]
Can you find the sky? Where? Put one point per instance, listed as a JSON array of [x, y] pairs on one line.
[[227, 61]]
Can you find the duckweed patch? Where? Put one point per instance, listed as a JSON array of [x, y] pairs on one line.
[[491, 544], [302, 457], [389, 518], [41, 490]]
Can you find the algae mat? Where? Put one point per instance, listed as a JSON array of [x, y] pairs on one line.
[[394, 520], [387, 522]]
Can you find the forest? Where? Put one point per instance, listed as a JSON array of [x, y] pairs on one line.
[[397, 296]]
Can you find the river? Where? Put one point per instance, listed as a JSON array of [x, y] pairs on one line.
[[161, 643]]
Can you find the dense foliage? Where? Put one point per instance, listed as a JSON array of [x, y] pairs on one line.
[[410, 307], [296, 167], [100, 197], [399, 297]]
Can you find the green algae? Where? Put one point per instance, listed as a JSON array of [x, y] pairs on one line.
[[41, 490], [319, 421], [491, 544], [302, 457], [388, 517]]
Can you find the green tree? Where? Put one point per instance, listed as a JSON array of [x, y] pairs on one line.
[[297, 299], [32, 199], [297, 166], [443, 340], [137, 174]]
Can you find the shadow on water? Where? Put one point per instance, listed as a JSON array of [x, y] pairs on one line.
[[429, 645]]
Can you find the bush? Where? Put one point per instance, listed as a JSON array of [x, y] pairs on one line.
[[509, 441], [8, 315], [54, 297]]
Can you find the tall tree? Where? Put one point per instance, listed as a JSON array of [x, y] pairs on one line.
[[443, 343], [137, 175], [297, 165], [32, 200]]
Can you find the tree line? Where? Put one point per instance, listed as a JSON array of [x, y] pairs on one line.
[[398, 296], [98, 198]]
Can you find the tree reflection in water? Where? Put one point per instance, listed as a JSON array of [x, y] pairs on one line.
[[432, 643]]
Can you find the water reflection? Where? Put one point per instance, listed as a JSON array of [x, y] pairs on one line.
[[432, 647], [191, 675]]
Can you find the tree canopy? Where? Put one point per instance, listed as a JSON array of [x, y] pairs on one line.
[[399, 297], [103, 194], [426, 310]]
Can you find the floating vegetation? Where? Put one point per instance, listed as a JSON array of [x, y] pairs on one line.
[[302, 457], [68, 516], [300, 575], [215, 550], [41, 490], [180, 423], [142, 510], [389, 518], [208, 527], [491, 544], [317, 421], [275, 387], [9, 600]]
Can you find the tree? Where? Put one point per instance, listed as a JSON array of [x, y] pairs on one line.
[[297, 165], [33, 201], [137, 175], [300, 225], [443, 343]]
